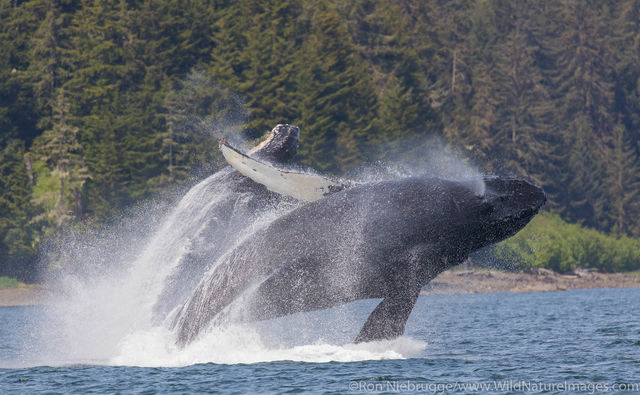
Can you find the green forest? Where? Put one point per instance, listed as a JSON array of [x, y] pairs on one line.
[[107, 103]]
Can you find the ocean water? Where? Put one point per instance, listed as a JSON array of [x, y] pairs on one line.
[[582, 341]]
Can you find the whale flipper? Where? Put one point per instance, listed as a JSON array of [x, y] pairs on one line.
[[388, 319], [302, 186]]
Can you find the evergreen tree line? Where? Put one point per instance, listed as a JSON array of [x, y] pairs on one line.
[[104, 103]]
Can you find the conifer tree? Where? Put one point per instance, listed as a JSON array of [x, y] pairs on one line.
[[197, 111], [334, 95], [48, 66], [622, 183], [582, 190], [107, 189], [541, 89], [98, 39], [524, 135], [17, 236], [627, 68], [18, 113], [62, 153], [583, 71]]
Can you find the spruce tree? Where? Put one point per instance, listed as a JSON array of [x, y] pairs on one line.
[[583, 70], [107, 189], [197, 111], [524, 130], [49, 61], [583, 190], [17, 235], [622, 183], [335, 94], [63, 155]]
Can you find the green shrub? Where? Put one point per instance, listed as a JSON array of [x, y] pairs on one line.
[[551, 243], [7, 282]]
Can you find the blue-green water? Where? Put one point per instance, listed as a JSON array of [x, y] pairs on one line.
[[586, 341]]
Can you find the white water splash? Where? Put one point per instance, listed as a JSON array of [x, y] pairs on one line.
[[243, 344], [90, 314]]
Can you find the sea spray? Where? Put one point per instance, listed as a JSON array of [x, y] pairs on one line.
[[94, 313]]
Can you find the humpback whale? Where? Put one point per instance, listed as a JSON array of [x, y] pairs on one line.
[[378, 240], [240, 202]]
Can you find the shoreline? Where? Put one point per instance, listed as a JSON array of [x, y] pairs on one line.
[[539, 280], [30, 295], [456, 281]]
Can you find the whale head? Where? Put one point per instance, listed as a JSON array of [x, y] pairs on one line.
[[280, 145], [450, 217], [503, 206]]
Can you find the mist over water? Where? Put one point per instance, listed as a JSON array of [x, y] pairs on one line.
[[428, 156]]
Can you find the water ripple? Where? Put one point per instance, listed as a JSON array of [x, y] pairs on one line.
[[465, 338]]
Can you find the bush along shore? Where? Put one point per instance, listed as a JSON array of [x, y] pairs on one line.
[[551, 243]]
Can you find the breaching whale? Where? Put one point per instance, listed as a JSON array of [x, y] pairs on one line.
[[379, 240]]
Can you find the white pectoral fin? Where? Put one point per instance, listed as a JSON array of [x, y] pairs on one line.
[[301, 186]]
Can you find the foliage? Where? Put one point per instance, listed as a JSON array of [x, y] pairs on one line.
[[7, 282], [550, 242], [104, 103], [17, 234]]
